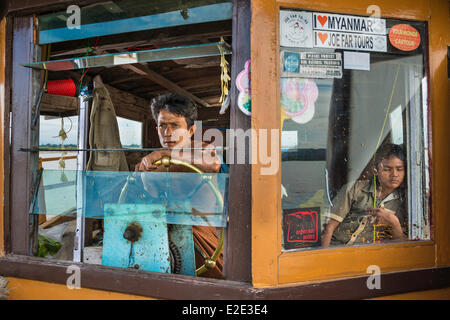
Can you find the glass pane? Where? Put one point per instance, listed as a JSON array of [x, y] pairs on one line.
[[139, 220], [351, 105], [115, 17], [172, 197], [120, 9], [130, 132], [60, 134], [50, 129], [184, 52]]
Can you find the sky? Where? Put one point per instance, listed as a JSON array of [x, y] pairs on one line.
[[130, 131]]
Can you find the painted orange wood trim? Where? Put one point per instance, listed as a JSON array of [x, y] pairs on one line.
[[23, 289], [2, 112], [266, 235], [271, 267], [440, 116], [350, 262]]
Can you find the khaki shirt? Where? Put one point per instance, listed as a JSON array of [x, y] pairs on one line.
[[356, 226]]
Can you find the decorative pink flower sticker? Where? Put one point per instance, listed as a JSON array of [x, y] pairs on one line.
[[243, 85], [298, 97]]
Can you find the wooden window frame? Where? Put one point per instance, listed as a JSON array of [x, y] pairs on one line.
[[277, 267]]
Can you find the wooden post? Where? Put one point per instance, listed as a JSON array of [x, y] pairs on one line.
[[23, 164], [238, 233]]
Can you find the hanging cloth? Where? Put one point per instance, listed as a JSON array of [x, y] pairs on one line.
[[104, 133]]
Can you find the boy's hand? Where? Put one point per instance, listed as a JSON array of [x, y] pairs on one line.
[[384, 216]]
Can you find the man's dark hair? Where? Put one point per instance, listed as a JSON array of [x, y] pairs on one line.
[[177, 104], [389, 150]]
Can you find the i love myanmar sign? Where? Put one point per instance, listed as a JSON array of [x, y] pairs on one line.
[[325, 30]]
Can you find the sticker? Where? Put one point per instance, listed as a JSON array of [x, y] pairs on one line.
[[323, 30], [353, 41], [243, 85], [305, 117], [301, 227], [298, 97], [345, 23], [357, 60], [289, 139], [296, 29], [404, 37], [291, 62], [311, 64]]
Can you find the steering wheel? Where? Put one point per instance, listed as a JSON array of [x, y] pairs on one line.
[[209, 262]]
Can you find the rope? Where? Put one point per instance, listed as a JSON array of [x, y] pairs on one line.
[[378, 144], [62, 161], [224, 76], [88, 52]]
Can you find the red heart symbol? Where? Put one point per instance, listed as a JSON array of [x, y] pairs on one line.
[[323, 37], [322, 19]]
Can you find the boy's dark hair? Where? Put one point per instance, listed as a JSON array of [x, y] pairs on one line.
[[390, 150], [393, 150], [177, 104]]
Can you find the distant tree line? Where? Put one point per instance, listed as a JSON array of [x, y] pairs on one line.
[[58, 146], [74, 146]]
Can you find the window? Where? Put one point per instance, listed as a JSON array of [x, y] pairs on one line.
[[73, 201], [58, 133], [130, 133], [353, 100]]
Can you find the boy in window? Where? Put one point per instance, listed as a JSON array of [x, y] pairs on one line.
[[357, 217], [175, 116]]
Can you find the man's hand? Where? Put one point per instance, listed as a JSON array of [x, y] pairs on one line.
[[146, 163], [204, 158], [201, 155], [207, 159]]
